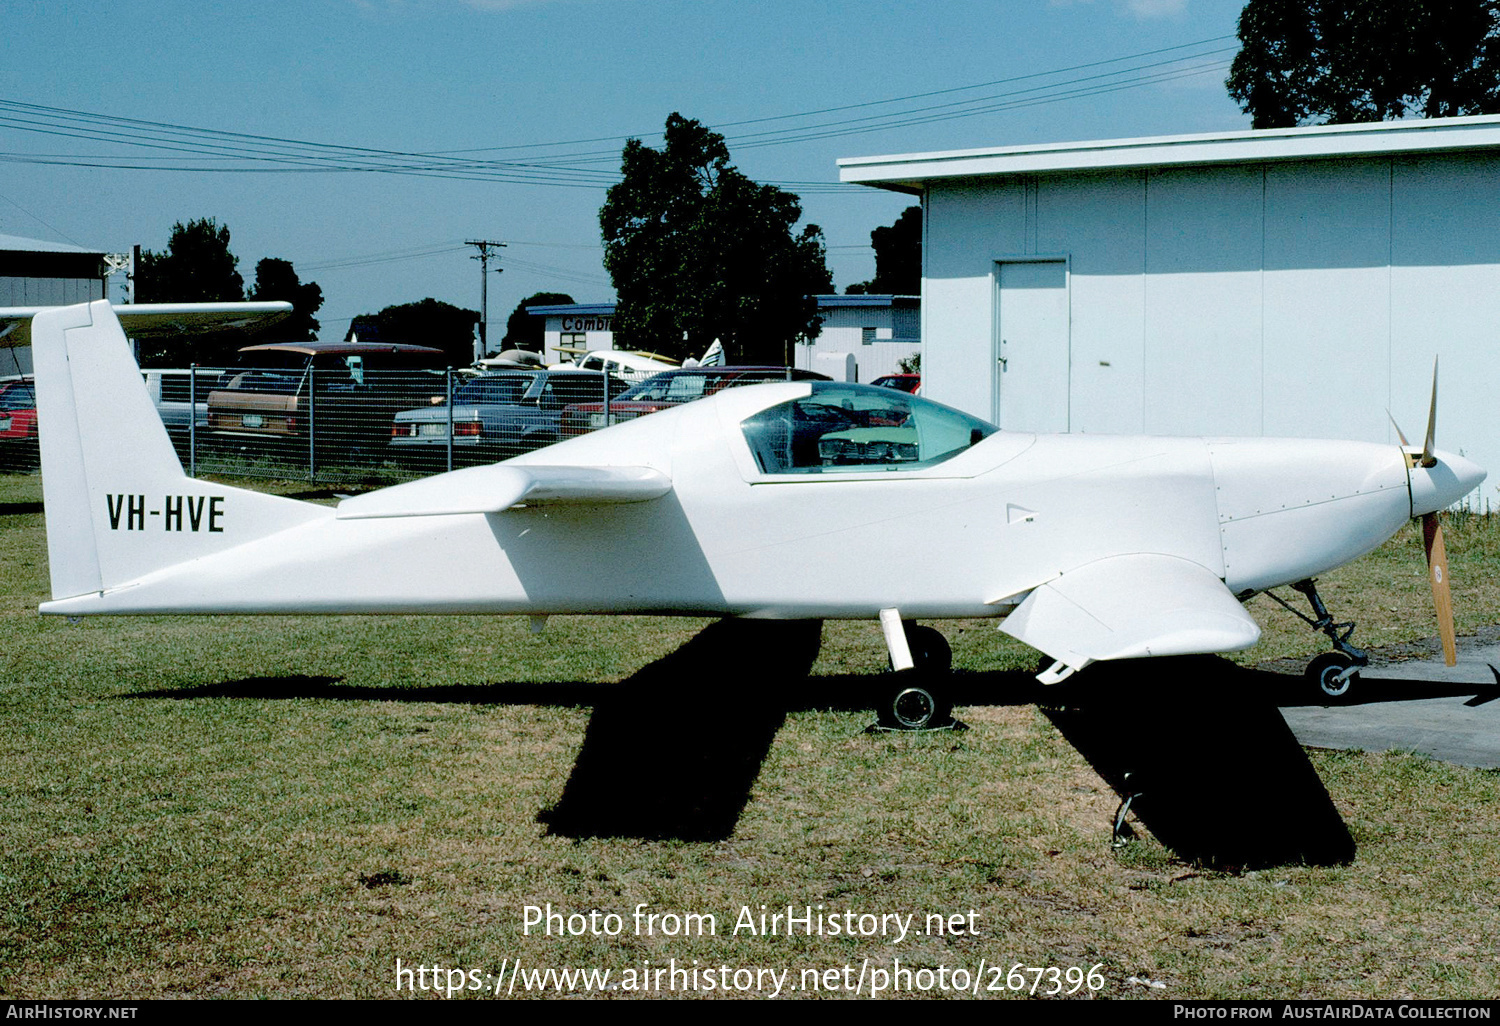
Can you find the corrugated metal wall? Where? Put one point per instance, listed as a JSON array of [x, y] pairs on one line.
[[49, 291]]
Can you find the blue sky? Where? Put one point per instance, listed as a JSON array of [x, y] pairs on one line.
[[527, 81]]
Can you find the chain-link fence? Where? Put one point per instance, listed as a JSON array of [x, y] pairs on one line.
[[18, 434], [368, 425]]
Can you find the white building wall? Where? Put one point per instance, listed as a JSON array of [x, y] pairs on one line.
[[965, 227], [844, 331], [1445, 299], [1299, 298], [1326, 294], [1202, 301], [566, 333], [1099, 222]]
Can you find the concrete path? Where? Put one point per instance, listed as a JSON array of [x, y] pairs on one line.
[[1417, 704]]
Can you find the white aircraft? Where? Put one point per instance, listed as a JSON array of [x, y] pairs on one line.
[[796, 500]]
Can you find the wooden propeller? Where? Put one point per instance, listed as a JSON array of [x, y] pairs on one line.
[[1432, 534], [1437, 574]]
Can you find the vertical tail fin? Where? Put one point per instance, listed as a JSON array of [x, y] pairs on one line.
[[71, 553], [118, 504]]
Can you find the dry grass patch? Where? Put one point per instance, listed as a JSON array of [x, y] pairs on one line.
[[283, 807]]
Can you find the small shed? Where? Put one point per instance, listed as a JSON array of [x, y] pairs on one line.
[[1289, 282], [35, 273]]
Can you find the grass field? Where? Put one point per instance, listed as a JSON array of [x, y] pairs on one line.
[[286, 807]]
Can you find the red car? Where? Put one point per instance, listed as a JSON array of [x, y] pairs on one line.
[[672, 388], [18, 436]]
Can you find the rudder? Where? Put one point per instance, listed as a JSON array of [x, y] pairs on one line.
[[118, 504]]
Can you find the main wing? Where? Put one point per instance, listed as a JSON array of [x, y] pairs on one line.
[[156, 320], [1129, 607]]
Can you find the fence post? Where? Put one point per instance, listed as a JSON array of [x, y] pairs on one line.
[[449, 379], [605, 379], [192, 420], [312, 424]]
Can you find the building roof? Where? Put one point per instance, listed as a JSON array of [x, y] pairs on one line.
[[608, 309], [573, 310], [17, 244], [829, 302], [911, 172]]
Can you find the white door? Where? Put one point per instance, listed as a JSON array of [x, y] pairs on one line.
[[1031, 340]]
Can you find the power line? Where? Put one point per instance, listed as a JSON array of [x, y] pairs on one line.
[[874, 103], [391, 256], [185, 148]]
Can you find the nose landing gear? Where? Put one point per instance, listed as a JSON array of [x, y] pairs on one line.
[[1332, 674]]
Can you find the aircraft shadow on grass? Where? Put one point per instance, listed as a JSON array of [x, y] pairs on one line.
[[1197, 744]]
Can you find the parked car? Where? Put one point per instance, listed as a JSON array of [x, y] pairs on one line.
[[496, 416], [173, 392], [673, 388], [18, 433], [345, 393], [904, 382]]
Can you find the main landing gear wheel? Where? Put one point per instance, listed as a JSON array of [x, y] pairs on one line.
[[1328, 674], [929, 649], [919, 701], [917, 707]]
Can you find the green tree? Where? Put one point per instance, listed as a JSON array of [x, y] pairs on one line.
[[898, 258], [524, 331], [697, 251], [276, 279], [196, 267], [428, 323], [1341, 61]]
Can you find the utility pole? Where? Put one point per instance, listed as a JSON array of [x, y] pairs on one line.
[[117, 263], [481, 346]]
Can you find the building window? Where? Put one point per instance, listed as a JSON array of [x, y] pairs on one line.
[[867, 336]]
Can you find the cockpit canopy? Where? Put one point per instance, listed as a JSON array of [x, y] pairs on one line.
[[856, 428]]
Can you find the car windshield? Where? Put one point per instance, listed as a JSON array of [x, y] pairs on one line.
[[671, 388], [17, 397], [497, 390], [853, 428], [565, 389], [272, 382]]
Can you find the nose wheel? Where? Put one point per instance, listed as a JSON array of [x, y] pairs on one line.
[[1331, 674]]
